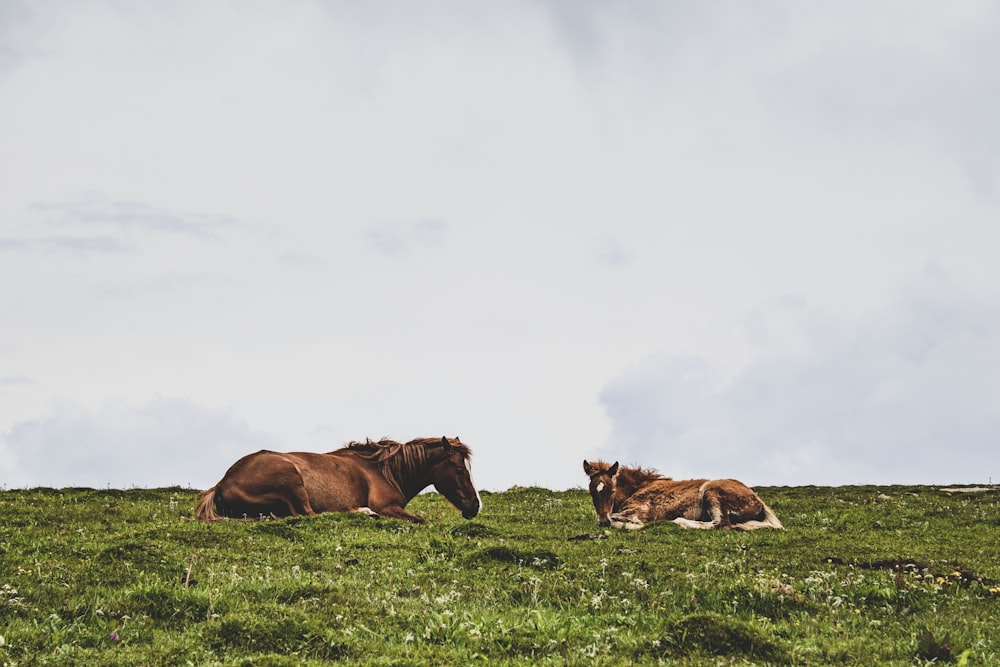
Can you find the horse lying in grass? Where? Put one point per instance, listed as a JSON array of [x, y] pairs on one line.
[[374, 478], [632, 497]]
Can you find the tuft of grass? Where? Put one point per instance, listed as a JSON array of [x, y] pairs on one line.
[[713, 634], [536, 558]]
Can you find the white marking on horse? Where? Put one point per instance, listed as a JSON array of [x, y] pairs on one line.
[[468, 466], [600, 487]]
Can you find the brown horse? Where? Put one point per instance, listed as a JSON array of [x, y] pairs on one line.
[[374, 478], [631, 497]]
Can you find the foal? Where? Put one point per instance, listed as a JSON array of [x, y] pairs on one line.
[[632, 497]]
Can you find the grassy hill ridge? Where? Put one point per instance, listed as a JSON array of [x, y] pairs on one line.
[[886, 575]]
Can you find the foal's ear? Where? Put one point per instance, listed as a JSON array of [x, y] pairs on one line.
[[613, 470], [588, 467], [445, 443]]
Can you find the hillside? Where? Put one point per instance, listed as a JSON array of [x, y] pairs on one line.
[[861, 575]]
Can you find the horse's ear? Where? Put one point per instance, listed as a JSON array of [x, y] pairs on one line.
[[588, 467], [613, 470], [445, 443]]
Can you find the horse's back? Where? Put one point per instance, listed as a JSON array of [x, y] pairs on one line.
[[665, 499], [338, 481], [269, 483], [728, 501]]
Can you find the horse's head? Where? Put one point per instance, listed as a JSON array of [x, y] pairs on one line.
[[452, 477], [603, 483]]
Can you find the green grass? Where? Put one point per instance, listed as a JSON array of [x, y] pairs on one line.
[[860, 576]]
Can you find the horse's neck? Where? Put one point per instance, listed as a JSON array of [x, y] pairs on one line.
[[406, 470]]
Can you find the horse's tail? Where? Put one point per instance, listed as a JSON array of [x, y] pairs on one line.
[[768, 520], [206, 506]]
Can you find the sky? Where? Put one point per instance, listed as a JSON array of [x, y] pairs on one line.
[[750, 240]]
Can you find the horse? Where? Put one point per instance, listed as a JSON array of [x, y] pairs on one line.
[[373, 478], [632, 497]]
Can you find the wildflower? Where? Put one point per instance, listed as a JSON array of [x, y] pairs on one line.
[[113, 635]]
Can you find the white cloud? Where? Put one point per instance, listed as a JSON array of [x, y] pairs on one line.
[[910, 395], [75, 244], [163, 443], [906, 77], [400, 239], [95, 211]]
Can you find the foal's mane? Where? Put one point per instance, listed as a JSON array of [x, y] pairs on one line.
[[637, 475]]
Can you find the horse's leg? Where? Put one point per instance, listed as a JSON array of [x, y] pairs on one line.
[[289, 496], [691, 523], [626, 523], [294, 503], [708, 509], [399, 513], [367, 511], [298, 502], [294, 498], [628, 516]]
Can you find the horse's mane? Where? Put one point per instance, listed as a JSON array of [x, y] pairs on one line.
[[381, 450], [636, 475], [631, 476], [374, 450]]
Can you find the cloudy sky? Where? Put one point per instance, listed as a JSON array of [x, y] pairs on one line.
[[753, 240]]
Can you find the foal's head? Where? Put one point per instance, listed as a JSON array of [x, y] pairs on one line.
[[603, 484]]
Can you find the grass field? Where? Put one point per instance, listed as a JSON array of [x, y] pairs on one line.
[[860, 576]]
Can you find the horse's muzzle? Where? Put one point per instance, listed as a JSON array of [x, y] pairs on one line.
[[472, 511]]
